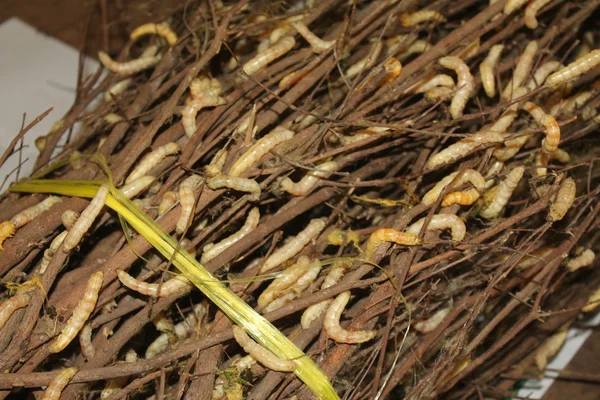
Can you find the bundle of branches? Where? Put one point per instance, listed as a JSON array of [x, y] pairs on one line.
[[424, 172]]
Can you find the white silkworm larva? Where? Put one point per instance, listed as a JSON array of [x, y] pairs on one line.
[[316, 310], [263, 59], [188, 190], [81, 313], [309, 181], [332, 327], [35, 211], [573, 70], [50, 251], [469, 175], [262, 355], [317, 44], [168, 200], [593, 302], [128, 67], [284, 281], [510, 148], [294, 245], [152, 160], [432, 82], [389, 235], [522, 69], [86, 219], [296, 289], [465, 198], [439, 222], [502, 193], [552, 139], [58, 383], [188, 113], [362, 135], [133, 188], [162, 30], [176, 284], [117, 89], [415, 18], [9, 306], [540, 74], [235, 183], [460, 149], [430, 324], [584, 259], [367, 62], [417, 47], [549, 348], [85, 341], [210, 252], [563, 201], [68, 218], [513, 5], [486, 69], [465, 85], [216, 164], [259, 149]]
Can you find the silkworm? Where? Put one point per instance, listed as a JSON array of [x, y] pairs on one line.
[[432, 322], [216, 164], [162, 30], [367, 62], [332, 327], [522, 69], [202, 87], [593, 302], [513, 5], [263, 59], [540, 74], [541, 158], [460, 149], [505, 121], [416, 47], [563, 201], [314, 311], [85, 342], [117, 89], [585, 258], [236, 183], [262, 355], [169, 199], [211, 251], [486, 69], [439, 222], [188, 191], [284, 281], [389, 235], [468, 175], [128, 67], [430, 83], [9, 306], [33, 212], [501, 194], [415, 18], [81, 313], [362, 135], [439, 93], [7, 229], [68, 218], [294, 245], [133, 188], [188, 113], [50, 251], [549, 348], [552, 139], [573, 70], [176, 284], [300, 285], [568, 106], [259, 149], [510, 148], [58, 383], [310, 180], [152, 160], [465, 84], [317, 44], [86, 219], [465, 198]]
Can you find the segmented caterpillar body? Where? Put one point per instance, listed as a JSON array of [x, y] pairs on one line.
[[309, 181], [188, 113], [502, 193], [235, 183], [169, 199], [283, 281], [332, 327], [174, 285], [522, 69], [540, 74], [155, 29], [573, 70], [262, 355], [486, 70], [367, 62], [465, 198], [432, 322], [117, 89], [417, 17], [188, 190], [152, 160], [261, 60], [552, 139], [7, 229], [296, 289], [128, 67], [316, 310], [9, 306], [317, 44], [133, 188], [584, 259], [58, 383], [216, 164], [86, 219], [35, 211], [563, 201], [425, 85], [460, 149], [465, 85], [210, 252], [68, 218], [439, 222], [389, 235], [50, 251], [205, 88], [468, 175]]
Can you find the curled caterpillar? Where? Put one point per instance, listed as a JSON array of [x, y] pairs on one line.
[[81, 313], [585, 258], [294, 245], [501, 194], [266, 57], [259, 149], [573, 70], [332, 327], [128, 67], [309, 180], [316, 310], [9, 306], [486, 69], [174, 285], [7, 229], [168, 200], [210, 251], [468, 175], [236, 183], [552, 139], [50, 251], [460, 149], [188, 191], [425, 85], [216, 164], [152, 160], [522, 69], [432, 322], [365, 63], [35, 211], [441, 221], [465, 84], [389, 235], [133, 188], [162, 30], [260, 354], [415, 18], [563, 201], [86, 219], [317, 44], [362, 135], [465, 198], [58, 383], [188, 113]]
